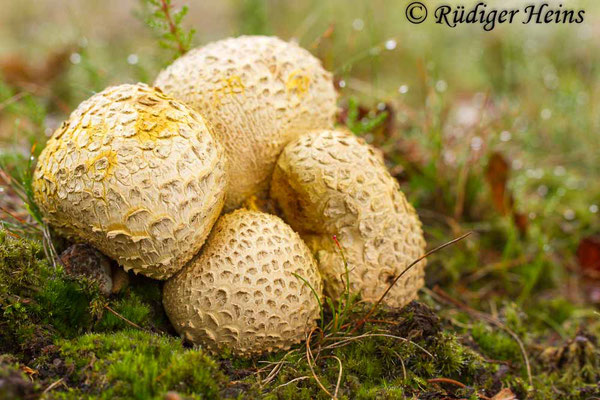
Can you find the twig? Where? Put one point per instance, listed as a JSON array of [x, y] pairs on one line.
[[278, 365], [123, 318], [401, 362], [17, 218], [172, 27], [309, 358], [447, 380], [300, 378], [480, 315], [53, 385], [12, 99], [340, 373], [346, 341], [418, 260], [507, 264]]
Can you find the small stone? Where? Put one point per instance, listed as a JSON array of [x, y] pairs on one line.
[[84, 260]]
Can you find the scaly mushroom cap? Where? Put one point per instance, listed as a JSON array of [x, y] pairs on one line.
[[332, 183], [135, 174], [241, 293], [259, 93]]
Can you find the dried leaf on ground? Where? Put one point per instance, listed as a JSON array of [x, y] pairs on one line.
[[504, 394], [20, 73], [588, 256], [497, 174]]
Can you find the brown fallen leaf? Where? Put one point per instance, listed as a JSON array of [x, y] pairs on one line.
[[28, 371], [21, 73], [504, 394], [497, 174], [588, 256]]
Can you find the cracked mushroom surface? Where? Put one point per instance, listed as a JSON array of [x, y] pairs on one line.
[[259, 93], [243, 291], [137, 175], [333, 183]]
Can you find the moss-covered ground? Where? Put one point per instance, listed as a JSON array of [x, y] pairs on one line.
[[490, 132], [59, 341]]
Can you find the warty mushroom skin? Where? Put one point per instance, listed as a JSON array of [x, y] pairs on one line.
[[244, 290], [137, 175], [333, 183], [259, 93]]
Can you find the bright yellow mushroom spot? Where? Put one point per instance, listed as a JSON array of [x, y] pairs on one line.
[[102, 165], [299, 82], [154, 123], [227, 86]]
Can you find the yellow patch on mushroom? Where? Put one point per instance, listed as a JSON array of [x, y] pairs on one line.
[[298, 82], [228, 86], [273, 92], [135, 174], [102, 165], [333, 183]]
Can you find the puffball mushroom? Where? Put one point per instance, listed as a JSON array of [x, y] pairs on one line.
[[333, 183], [137, 175], [259, 93], [249, 289]]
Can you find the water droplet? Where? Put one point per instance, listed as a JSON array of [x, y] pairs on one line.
[[560, 170], [342, 83], [358, 24], [569, 214], [535, 173], [476, 143], [594, 208], [132, 59], [75, 58], [381, 106], [449, 157], [542, 190], [403, 89], [390, 44], [441, 86], [546, 113], [547, 248], [505, 136]]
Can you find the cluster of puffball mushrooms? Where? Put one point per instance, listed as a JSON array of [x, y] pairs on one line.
[[165, 180]]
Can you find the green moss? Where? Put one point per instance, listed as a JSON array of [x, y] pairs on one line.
[[130, 307], [377, 367], [37, 300], [494, 343], [140, 303], [138, 365]]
